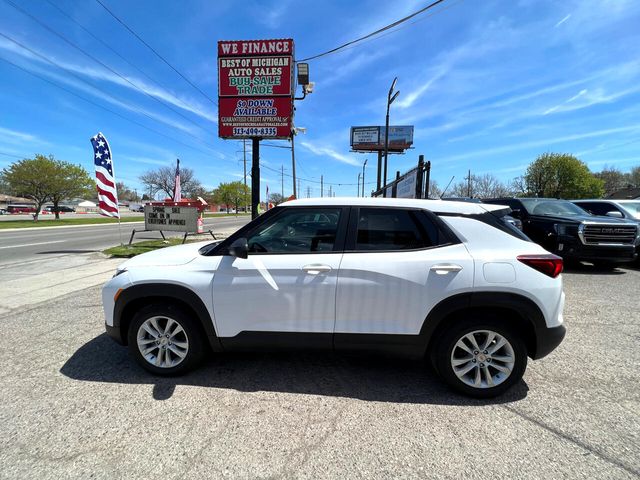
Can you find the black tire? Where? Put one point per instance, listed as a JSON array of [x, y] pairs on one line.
[[191, 331], [447, 342]]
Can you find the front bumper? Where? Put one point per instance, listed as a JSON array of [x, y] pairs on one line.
[[548, 340], [114, 333]]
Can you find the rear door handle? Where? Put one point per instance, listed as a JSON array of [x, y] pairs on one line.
[[315, 269], [444, 268]]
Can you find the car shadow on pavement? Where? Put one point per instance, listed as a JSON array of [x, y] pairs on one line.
[[588, 269], [364, 377]]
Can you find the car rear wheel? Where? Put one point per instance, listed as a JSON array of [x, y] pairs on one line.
[[165, 340], [482, 359]]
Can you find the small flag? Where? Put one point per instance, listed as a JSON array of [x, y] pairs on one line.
[[105, 179], [177, 194]]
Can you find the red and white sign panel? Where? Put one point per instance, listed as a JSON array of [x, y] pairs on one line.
[[255, 117], [255, 88], [254, 76]]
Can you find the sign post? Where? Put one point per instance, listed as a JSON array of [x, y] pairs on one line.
[[255, 96]]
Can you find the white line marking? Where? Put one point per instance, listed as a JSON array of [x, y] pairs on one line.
[[34, 244]]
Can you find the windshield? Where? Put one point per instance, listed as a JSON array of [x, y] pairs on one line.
[[551, 207], [632, 207]]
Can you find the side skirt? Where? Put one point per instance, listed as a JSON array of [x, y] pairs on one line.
[[402, 345]]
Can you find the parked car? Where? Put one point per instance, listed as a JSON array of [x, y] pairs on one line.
[[516, 222], [3, 211], [60, 209], [573, 233], [445, 280], [17, 209], [627, 209]]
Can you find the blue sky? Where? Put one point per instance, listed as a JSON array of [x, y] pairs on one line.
[[489, 85]]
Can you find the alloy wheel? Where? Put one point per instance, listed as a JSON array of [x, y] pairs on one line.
[[483, 359], [162, 342]]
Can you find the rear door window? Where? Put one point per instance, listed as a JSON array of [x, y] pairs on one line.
[[388, 229]]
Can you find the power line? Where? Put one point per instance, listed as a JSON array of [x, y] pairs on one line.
[[103, 107], [372, 34], [11, 155], [106, 45], [155, 52], [316, 181], [48, 60], [69, 42]]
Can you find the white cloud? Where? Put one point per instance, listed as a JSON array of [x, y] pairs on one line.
[[328, 151], [17, 137], [102, 74], [542, 143], [562, 21]]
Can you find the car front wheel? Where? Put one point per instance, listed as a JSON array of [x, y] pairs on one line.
[[165, 340], [482, 359]]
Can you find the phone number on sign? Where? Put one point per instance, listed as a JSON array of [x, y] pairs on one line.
[[255, 131]]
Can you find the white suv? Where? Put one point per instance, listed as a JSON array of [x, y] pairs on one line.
[[449, 281]]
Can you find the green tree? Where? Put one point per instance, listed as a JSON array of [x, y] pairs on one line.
[[232, 193], [32, 178], [70, 181], [561, 175]]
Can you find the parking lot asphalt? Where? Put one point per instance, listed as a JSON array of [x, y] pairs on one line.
[[74, 405]]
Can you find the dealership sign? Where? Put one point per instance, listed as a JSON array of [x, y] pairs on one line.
[[255, 88], [372, 138]]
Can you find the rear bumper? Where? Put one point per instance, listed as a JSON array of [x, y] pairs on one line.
[[548, 340]]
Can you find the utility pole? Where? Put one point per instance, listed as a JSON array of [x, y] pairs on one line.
[[282, 181], [299, 189], [255, 177], [244, 156], [321, 186], [330, 195], [363, 167], [293, 163], [308, 191], [469, 184], [390, 98], [358, 189]]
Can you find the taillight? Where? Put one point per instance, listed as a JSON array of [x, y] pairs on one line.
[[548, 264]]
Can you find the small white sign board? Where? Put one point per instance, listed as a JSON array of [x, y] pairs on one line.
[[171, 219]]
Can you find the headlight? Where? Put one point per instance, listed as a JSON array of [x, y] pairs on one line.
[[119, 271], [562, 228]]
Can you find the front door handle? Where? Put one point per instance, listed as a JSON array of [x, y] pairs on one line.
[[444, 268], [315, 269]]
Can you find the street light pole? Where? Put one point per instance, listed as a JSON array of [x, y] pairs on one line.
[[358, 190], [390, 98], [363, 166]]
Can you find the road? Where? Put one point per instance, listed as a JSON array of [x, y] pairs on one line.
[[31, 243], [73, 404]]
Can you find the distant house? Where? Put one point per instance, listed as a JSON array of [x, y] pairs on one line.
[[629, 193], [6, 200]]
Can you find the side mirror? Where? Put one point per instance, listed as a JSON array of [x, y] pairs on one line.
[[615, 214], [516, 213], [239, 248]]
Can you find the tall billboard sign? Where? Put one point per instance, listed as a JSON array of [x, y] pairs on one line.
[[255, 88], [371, 139]]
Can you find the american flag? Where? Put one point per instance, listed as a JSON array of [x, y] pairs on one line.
[[177, 194], [105, 180]]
